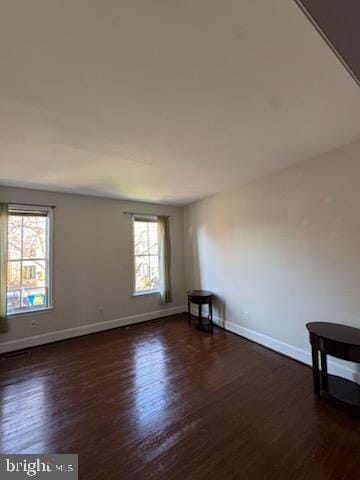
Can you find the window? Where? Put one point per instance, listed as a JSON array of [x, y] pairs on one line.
[[146, 252], [29, 272], [29, 259]]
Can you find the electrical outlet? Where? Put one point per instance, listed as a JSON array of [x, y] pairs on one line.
[[246, 315], [101, 309]]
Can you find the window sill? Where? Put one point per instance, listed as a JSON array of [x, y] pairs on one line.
[[30, 312], [141, 294]]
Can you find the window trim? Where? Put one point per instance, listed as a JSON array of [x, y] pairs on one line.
[[134, 292], [50, 249]]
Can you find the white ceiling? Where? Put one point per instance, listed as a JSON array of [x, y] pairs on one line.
[[164, 101]]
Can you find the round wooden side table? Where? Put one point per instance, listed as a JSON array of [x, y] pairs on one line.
[[340, 341], [200, 298]]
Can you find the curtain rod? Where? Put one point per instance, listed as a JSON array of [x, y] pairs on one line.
[[141, 214], [31, 204]]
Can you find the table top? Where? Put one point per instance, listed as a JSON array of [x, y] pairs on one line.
[[336, 332], [199, 293]]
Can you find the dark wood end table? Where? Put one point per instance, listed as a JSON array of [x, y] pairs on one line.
[[200, 298], [339, 341]]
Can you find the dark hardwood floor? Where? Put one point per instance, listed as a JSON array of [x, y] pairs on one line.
[[161, 400]]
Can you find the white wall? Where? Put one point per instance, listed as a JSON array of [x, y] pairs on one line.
[[93, 268], [282, 251]]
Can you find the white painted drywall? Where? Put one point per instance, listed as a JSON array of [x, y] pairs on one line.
[[282, 251], [93, 265], [137, 99]]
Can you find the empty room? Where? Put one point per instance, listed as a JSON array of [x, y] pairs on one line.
[[179, 239]]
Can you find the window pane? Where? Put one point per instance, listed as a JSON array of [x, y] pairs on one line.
[[154, 272], [34, 237], [142, 272], [34, 273], [34, 298], [153, 238], [14, 237], [14, 275], [13, 300], [141, 237]]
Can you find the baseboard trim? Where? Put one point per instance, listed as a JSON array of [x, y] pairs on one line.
[[21, 343], [303, 356]]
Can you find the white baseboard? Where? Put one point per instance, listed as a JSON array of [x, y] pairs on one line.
[[299, 354], [36, 340], [303, 356]]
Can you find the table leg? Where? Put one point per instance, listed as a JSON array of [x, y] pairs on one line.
[[324, 371], [189, 313], [211, 316], [315, 359], [200, 315]]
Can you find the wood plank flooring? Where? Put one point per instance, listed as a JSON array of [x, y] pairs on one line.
[[161, 400]]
